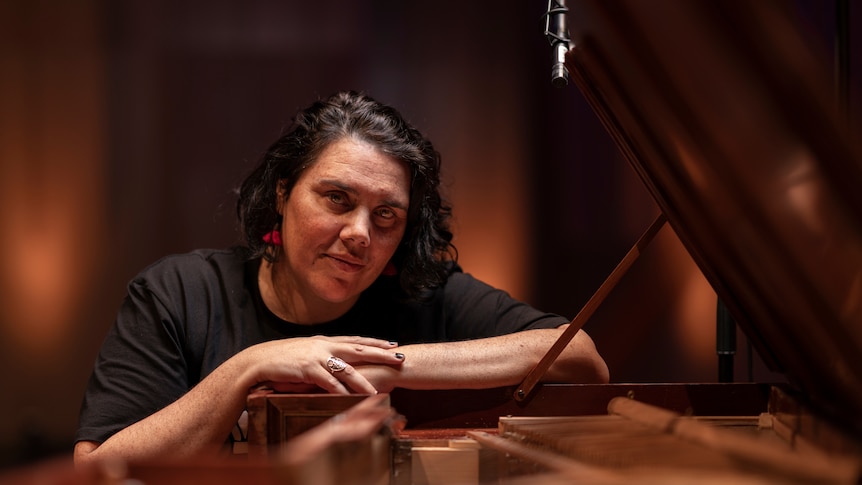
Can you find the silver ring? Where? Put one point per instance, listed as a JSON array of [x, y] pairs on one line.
[[335, 364]]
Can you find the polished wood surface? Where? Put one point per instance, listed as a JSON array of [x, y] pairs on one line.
[[726, 111], [275, 418], [632, 441], [481, 408]]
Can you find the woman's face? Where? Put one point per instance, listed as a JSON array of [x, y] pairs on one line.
[[343, 221]]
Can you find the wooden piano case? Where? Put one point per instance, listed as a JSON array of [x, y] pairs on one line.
[[768, 417], [275, 418], [458, 440]]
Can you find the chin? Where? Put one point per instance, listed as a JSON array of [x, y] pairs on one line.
[[339, 293], [339, 290]]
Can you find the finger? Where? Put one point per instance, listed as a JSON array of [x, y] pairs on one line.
[[329, 382], [363, 354], [366, 341], [358, 422], [293, 388], [351, 380], [363, 419]]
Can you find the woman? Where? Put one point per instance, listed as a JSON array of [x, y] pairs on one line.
[[347, 283]]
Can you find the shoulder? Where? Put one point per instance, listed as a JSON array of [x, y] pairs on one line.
[[458, 287], [192, 292], [459, 279], [196, 262], [202, 267], [462, 285], [460, 292], [475, 308]]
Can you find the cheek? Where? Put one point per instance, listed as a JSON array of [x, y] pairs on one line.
[[310, 233], [301, 229], [388, 242]]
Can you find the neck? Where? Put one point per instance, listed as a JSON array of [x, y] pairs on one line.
[[281, 296]]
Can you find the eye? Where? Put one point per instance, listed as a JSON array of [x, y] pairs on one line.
[[387, 217], [386, 213], [337, 198]]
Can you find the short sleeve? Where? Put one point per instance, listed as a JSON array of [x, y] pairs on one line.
[[140, 367]]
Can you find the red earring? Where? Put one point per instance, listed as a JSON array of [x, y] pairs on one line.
[[273, 237]]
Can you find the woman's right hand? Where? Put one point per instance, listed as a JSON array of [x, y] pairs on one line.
[[300, 364]]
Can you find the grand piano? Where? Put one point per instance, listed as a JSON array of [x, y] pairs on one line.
[[734, 124], [730, 119]]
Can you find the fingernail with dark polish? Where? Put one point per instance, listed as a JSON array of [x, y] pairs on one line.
[[393, 343], [399, 356]]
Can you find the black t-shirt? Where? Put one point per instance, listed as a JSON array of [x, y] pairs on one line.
[[186, 314]]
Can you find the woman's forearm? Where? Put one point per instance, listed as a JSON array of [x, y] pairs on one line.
[[490, 362], [201, 420], [198, 422]]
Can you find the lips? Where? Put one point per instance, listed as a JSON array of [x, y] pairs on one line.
[[346, 262]]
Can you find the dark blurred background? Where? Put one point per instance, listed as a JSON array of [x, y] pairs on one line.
[[125, 126]]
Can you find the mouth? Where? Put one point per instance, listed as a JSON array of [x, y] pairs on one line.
[[346, 263]]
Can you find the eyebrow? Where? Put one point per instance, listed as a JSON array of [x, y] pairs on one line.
[[339, 185]]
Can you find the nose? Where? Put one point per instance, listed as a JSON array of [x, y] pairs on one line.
[[357, 229]]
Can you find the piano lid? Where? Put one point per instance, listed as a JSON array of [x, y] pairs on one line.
[[728, 116]]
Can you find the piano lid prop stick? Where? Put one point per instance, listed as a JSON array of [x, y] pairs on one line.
[[587, 311]]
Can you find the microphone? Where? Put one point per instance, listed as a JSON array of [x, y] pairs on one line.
[[557, 34]]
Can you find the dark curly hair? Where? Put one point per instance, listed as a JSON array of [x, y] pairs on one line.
[[423, 256]]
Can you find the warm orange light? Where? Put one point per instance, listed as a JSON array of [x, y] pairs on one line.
[[51, 190]]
